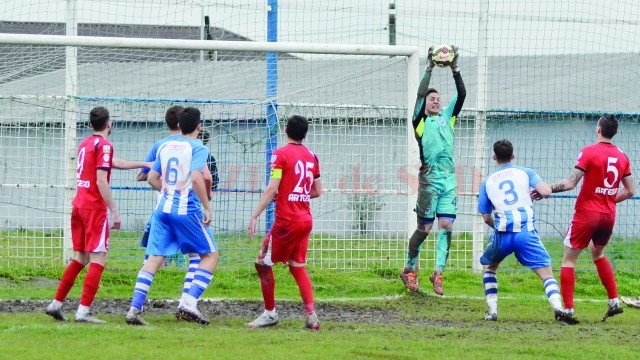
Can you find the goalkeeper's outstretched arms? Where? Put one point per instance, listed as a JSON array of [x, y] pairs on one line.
[[423, 88], [460, 89]]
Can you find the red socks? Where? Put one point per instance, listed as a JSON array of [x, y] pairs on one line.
[[91, 284], [605, 271], [567, 285], [68, 279], [304, 284], [268, 285]]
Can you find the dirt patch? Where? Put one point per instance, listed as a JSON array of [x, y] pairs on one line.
[[225, 309]]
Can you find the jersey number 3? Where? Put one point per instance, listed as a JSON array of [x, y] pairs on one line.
[[304, 170], [510, 196]]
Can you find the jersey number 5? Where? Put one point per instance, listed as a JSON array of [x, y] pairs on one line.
[[304, 171], [611, 169]]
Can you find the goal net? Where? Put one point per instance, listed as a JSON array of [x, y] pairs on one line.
[[357, 107]]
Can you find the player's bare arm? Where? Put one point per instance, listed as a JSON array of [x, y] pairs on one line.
[[128, 165], [200, 188], [154, 180], [105, 192], [208, 181], [627, 191], [316, 188], [265, 200], [543, 189], [568, 183], [488, 219]]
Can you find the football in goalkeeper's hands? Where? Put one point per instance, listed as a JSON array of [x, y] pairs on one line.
[[443, 55]]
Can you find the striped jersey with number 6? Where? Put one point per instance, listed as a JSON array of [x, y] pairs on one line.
[[297, 167], [176, 160]]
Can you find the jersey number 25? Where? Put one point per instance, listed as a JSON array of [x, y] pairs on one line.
[[304, 170]]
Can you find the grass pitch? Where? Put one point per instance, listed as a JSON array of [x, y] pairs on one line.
[[364, 315]]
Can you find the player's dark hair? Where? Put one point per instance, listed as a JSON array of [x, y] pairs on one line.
[[431, 90], [608, 125], [98, 117], [297, 127], [171, 117], [503, 150], [204, 136], [189, 119]]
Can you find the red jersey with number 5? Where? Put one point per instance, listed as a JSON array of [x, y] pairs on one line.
[[94, 153], [296, 167], [604, 165]]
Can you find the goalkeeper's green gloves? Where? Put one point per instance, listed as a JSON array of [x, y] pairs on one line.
[[454, 65], [430, 63]]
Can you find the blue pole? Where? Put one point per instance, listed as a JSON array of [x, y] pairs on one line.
[[272, 93]]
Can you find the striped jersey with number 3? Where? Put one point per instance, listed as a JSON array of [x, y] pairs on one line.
[[506, 194]]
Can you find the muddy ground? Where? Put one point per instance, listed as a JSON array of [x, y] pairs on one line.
[[227, 309]]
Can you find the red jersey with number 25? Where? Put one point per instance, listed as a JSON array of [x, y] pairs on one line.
[[604, 165], [94, 153], [296, 167]]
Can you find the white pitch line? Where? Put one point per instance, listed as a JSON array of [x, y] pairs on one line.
[[396, 297]]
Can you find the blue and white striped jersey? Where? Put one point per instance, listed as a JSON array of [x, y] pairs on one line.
[[151, 156], [176, 160], [506, 193]]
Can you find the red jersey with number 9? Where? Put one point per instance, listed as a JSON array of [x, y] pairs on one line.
[[296, 167], [94, 153], [604, 165]]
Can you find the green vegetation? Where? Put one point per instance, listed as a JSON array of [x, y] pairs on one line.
[[29, 249], [527, 336], [422, 324], [450, 327]]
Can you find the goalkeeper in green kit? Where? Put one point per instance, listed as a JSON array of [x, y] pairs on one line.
[[437, 194]]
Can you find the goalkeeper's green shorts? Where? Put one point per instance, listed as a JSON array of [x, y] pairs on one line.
[[437, 198]]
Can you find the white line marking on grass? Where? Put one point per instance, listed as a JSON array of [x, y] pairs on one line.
[[396, 297], [511, 297]]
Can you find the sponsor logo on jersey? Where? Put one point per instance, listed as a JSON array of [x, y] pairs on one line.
[[106, 157], [177, 147], [299, 197], [606, 191], [83, 183], [502, 174]]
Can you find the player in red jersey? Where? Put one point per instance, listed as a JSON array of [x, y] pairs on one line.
[[604, 167], [295, 177], [89, 220]]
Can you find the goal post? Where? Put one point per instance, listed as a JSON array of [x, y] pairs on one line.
[[210, 45], [365, 142]]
